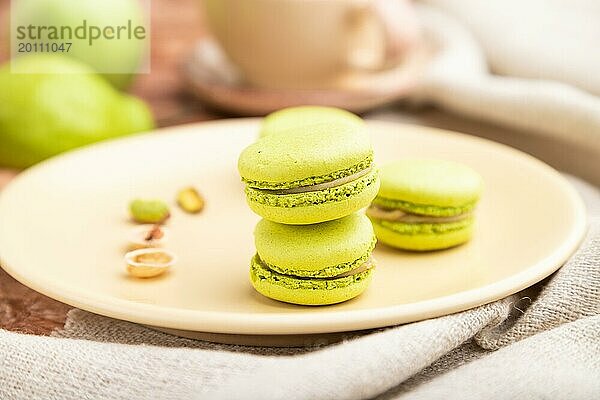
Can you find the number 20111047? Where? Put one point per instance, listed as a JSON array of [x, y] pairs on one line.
[[44, 47]]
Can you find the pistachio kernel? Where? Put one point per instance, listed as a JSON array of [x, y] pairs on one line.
[[149, 211], [190, 200]]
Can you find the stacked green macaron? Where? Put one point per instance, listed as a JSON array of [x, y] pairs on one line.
[[307, 176], [311, 174], [425, 204], [317, 264]]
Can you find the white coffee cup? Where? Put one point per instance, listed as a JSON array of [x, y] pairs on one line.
[[308, 43]]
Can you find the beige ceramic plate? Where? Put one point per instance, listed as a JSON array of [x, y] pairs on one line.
[[64, 225]]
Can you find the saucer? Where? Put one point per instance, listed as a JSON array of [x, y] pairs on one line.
[[216, 82]]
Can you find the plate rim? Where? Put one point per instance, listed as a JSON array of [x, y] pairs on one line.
[[289, 323]]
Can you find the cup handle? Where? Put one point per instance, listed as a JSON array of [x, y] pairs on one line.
[[398, 27]]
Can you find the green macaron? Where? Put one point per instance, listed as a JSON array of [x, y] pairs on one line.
[[295, 117], [425, 204], [316, 173], [317, 264]]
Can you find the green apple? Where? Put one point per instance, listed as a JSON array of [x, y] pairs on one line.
[[118, 58], [70, 106]]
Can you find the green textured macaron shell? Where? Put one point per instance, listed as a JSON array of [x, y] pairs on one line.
[[423, 209], [314, 197], [312, 291], [423, 238], [311, 155], [319, 206], [429, 184], [321, 250], [425, 228], [312, 180], [293, 117]]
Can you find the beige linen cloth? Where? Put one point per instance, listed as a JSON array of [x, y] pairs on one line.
[[543, 343], [544, 56]]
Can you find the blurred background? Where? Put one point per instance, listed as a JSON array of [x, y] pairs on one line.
[[519, 72], [175, 29]]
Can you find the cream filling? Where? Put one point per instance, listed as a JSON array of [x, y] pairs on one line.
[[324, 185], [408, 218], [367, 265]]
